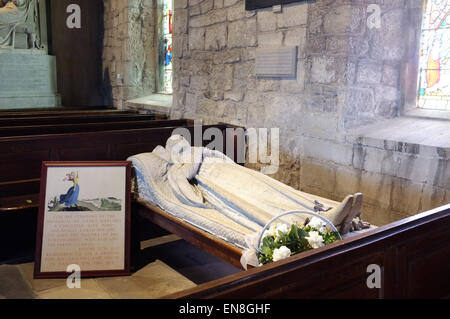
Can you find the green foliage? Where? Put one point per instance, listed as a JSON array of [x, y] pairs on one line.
[[294, 239], [329, 238], [110, 205]]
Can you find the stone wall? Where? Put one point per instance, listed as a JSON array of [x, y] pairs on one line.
[[129, 59], [348, 75]]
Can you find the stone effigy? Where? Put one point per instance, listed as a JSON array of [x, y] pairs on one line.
[[208, 190], [13, 14], [24, 59]]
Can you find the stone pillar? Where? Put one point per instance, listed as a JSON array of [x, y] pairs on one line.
[[129, 57]]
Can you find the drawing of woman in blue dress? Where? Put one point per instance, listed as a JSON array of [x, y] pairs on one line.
[[70, 199]]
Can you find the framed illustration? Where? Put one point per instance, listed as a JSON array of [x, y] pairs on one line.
[[84, 219]]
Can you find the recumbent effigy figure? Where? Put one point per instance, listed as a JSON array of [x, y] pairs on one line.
[[207, 189], [13, 14]]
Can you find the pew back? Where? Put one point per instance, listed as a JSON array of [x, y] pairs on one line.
[[107, 125], [73, 119], [61, 112], [22, 156], [413, 256]]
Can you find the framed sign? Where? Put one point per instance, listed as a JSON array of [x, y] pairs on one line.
[[84, 219]]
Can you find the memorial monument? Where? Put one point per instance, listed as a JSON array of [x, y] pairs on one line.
[[27, 70]]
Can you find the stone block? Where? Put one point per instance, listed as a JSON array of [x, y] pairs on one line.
[[327, 150], [206, 6], [386, 44], [376, 189], [297, 84], [391, 75], [251, 97], [324, 98], [347, 181], [358, 45], [369, 72], [317, 175], [337, 44], [231, 56], [210, 108], [442, 176], [338, 20], [318, 125], [242, 33], [221, 77], [315, 23], [227, 3], [283, 111], [197, 39], [447, 197], [255, 115], [267, 20], [296, 37], [215, 95], [416, 168], [266, 85], [432, 197], [195, 11], [236, 12], [191, 102], [244, 70], [179, 4], [406, 196], [195, 67], [194, 2], [293, 15], [212, 17], [218, 4], [235, 96], [199, 82], [379, 161], [323, 70], [270, 39], [359, 101], [180, 21], [216, 37], [375, 215], [316, 45]]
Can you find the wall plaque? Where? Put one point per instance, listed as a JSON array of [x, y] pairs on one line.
[[276, 62]]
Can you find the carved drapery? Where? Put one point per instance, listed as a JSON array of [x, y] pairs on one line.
[[23, 24]]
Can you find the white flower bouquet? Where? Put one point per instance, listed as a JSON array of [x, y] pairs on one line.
[[280, 241]]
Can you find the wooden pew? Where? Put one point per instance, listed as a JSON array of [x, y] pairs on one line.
[[413, 255], [22, 156], [74, 119], [108, 125], [63, 111]]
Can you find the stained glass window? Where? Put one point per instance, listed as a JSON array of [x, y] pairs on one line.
[[165, 46], [434, 75]]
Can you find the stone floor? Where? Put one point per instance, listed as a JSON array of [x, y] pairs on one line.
[[175, 266]]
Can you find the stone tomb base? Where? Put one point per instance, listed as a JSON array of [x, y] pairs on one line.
[[28, 79]]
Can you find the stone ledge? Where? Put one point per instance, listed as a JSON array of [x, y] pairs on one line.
[[159, 103], [411, 135], [429, 114]]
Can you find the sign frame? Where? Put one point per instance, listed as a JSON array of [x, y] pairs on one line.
[[43, 209]]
